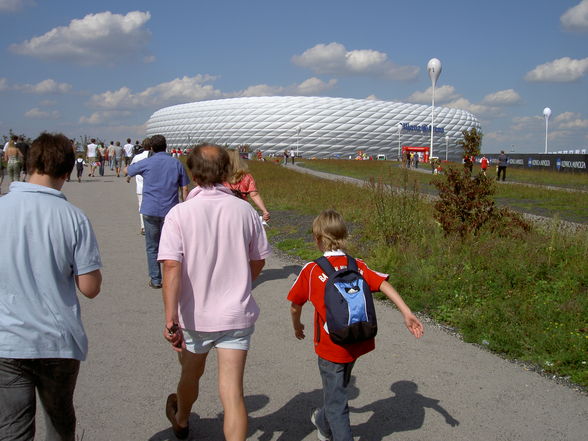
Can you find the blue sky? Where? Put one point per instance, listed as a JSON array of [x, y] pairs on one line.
[[102, 68]]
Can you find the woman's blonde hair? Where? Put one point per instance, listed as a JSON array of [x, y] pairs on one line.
[[238, 168], [330, 231]]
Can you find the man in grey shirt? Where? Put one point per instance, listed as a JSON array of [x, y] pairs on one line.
[[48, 249], [502, 163]]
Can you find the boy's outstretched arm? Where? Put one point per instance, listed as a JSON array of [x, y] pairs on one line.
[[296, 311], [412, 323]]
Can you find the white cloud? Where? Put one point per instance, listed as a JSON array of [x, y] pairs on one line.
[[103, 116], [14, 5], [476, 109], [562, 70], [372, 97], [527, 123], [570, 120], [44, 87], [576, 18], [42, 114], [506, 97], [442, 94], [310, 86], [3, 84], [179, 90], [97, 38], [335, 59]]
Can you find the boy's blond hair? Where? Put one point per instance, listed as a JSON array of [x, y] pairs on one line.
[[330, 231]]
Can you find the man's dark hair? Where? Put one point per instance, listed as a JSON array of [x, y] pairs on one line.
[[128, 140], [51, 154], [209, 164], [158, 143], [93, 140]]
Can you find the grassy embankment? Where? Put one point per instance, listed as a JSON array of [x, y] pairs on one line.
[[523, 198], [524, 298]]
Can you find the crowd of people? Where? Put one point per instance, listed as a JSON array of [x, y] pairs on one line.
[[204, 248]]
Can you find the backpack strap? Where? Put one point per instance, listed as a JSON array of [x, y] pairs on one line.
[[325, 265]]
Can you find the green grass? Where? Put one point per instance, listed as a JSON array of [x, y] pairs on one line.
[[566, 205], [525, 298]]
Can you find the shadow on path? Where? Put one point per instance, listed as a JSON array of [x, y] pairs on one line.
[[400, 413], [277, 274]]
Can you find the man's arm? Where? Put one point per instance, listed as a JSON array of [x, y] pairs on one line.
[[89, 284], [256, 267], [171, 296]]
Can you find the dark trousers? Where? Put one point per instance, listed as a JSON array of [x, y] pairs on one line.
[[153, 227], [54, 379], [501, 169], [333, 417]]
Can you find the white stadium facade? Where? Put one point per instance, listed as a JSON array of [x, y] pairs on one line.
[[319, 127]]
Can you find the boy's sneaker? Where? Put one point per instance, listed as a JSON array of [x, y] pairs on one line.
[[319, 433]]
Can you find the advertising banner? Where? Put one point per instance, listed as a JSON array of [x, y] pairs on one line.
[[556, 162]]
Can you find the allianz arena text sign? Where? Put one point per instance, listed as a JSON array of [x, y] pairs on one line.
[[563, 163]]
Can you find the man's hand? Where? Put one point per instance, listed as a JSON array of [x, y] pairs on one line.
[[173, 334]]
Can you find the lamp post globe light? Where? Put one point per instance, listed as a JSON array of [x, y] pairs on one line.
[[546, 114], [434, 68]]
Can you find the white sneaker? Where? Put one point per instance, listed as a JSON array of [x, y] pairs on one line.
[[320, 435]]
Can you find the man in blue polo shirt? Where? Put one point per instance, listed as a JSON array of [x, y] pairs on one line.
[[48, 248], [162, 177]]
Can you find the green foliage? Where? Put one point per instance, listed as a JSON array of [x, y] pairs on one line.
[[471, 142], [524, 295]]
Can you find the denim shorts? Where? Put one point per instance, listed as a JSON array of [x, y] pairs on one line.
[[202, 342]]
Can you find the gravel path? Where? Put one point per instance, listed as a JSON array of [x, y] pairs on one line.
[[437, 388]]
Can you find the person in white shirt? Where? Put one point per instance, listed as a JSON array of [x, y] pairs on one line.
[[129, 150], [139, 178], [91, 156]]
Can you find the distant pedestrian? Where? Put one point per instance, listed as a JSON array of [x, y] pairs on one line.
[[163, 176], [416, 160], [80, 168], [48, 249], [24, 147], [91, 152], [101, 155], [292, 156], [286, 157], [111, 154], [212, 247], [13, 158], [119, 155], [336, 361], [129, 150], [146, 151], [502, 164], [408, 159], [484, 165]]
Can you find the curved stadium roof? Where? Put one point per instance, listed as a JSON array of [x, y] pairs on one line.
[[318, 126]]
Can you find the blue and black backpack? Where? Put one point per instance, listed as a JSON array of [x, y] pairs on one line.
[[351, 316]]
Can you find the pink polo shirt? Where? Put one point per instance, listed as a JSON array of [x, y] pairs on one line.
[[214, 235]]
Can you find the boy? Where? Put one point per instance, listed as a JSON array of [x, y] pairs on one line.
[[336, 361]]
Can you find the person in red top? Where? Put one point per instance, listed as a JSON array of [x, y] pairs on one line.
[[242, 184], [336, 361], [484, 165]]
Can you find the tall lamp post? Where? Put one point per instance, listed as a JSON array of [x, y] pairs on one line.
[[399, 126], [434, 68], [446, 147], [297, 140], [546, 114]]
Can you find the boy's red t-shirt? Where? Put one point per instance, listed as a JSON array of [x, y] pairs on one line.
[[310, 286]]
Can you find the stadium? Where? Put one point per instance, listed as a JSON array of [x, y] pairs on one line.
[[320, 127]]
